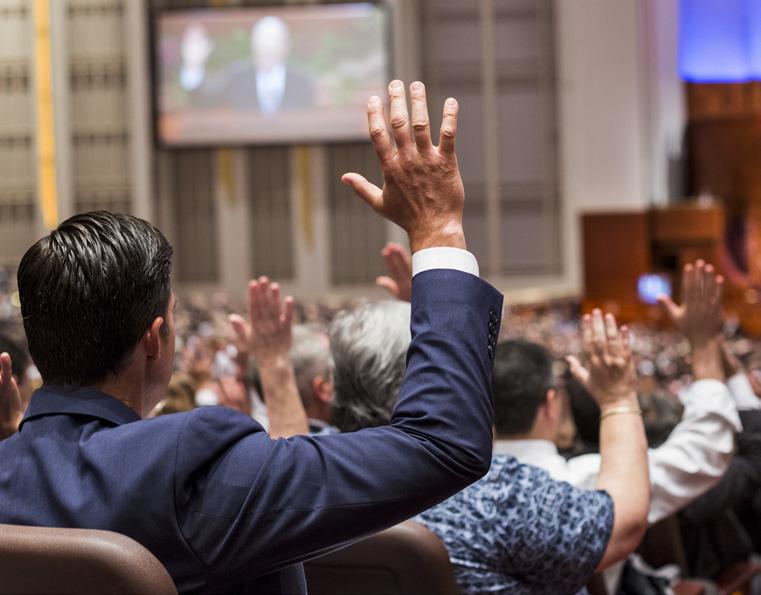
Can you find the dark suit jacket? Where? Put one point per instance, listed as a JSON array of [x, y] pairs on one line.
[[236, 88], [722, 526], [226, 508]]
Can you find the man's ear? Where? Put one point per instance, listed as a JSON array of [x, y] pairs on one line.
[[152, 338], [322, 388], [552, 402]]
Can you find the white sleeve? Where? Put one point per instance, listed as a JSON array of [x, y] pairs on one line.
[[698, 451], [583, 471], [742, 392], [444, 258]]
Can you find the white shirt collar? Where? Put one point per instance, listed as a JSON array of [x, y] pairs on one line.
[[525, 450]]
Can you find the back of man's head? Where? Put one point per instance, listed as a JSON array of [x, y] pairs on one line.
[[369, 347], [522, 377], [310, 356], [88, 293]]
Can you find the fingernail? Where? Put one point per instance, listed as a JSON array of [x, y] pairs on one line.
[[374, 100], [396, 85], [451, 102], [416, 86]]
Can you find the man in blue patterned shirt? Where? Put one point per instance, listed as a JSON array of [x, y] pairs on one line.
[[516, 530]]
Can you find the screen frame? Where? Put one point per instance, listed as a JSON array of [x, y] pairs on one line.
[[155, 73]]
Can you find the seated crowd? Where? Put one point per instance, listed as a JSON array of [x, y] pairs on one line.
[[539, 453]]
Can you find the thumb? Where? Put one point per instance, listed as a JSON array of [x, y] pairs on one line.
[[239, 326], [578, 371], [367, 191], [668, 306], [389, 285]]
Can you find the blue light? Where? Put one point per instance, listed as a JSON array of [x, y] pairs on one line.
[[720, 40]]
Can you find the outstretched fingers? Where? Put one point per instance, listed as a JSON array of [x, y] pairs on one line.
[[376, 122], [614, 343], [421, 127], [286, 317], [599, 339], [449, 128], [6, 374], [399, 117]]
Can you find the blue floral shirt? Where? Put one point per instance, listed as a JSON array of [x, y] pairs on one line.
[[518, 531]]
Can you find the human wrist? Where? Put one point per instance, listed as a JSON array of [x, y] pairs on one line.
[[619, 401], [275, 360], [706, 361], [447, 235]]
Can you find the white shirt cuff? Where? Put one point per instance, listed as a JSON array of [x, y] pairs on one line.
[[742, 392], [444, 258]]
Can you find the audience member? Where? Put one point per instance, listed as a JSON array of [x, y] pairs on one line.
[[224, 507], [369, 347], [313, 367], [398, 263], [517, 530], [695, 455], [11, 405], [180, 396], [722, 526], [21, 366]]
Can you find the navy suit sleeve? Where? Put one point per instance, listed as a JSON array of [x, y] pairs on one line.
[[248, 505]]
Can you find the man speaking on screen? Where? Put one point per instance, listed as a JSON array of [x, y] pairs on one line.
[[265, 81]]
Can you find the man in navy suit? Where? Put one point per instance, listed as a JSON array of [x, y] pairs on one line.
[[221, 504]]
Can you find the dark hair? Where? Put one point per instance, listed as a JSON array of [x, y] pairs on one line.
[[522, 377], [585, 411], [89, 291], [19, 356]]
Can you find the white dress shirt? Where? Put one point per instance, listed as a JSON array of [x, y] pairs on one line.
[[270, 88], [444, 258], [689, 463], [742, 392]]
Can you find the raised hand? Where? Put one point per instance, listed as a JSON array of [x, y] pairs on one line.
[[399, 266], [610, 377], [267, 338], [11, 408], [422, 188], [699, 317], [232, 393], [268, 334]]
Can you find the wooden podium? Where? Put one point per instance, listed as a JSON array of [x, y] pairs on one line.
[[621, 247]]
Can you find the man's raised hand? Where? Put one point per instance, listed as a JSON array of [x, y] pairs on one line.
[[610, 377], [398, 263], [268, 334], [422, 188], [699, 317], [10, 399]]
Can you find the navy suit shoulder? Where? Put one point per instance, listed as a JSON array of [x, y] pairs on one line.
[[226, 508]]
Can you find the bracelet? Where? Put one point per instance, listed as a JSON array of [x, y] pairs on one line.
[[620, 410]]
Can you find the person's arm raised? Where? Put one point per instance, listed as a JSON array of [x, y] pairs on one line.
[[699, 449], [11, 410], [314, 494], [268, 337], [611, 380], [699, 318]]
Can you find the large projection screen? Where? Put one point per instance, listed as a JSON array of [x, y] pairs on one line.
[[268, 75]]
